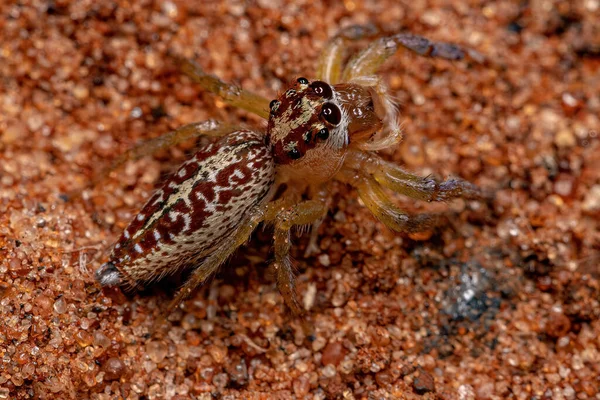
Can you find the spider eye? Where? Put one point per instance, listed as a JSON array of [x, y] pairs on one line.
[[303, 81], [274, 105], [323, 134], [294, 154], [322, 89], [331, 113]]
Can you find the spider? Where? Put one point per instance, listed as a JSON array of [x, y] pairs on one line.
[[318, 131]]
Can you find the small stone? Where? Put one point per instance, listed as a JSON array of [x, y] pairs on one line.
[[155, 392], [310, 295], [218, 353], [81, 92], [569, 392], [13, 132], [412, 151], [35, 122], [60, 306], [565, 138], [431, 17], [301, 386], [83, 338], [170, 9], [43, 306], [101, 340], [591, 202], [220, 380], [466, 392], [569, 100], [329, 371], [113, 369], [384, 378], [564, 184], [558, 324], [17, 379], [333, 354], [238, 373], [157, 351], [319, 343], [423, 383], [324, 260]]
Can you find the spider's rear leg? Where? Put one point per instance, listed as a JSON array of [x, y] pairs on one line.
[[149, 147], [231, 94], [417, 187], [329, 66], [368, 61], [304, 213]]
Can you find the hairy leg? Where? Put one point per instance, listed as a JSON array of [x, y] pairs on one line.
[[417, 187], [329, 66], [212, 263], [373, 196], [304, 213], [319, 193], [231, 94], [368, 61], [149, 147]]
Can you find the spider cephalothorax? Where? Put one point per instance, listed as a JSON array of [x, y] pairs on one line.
[[306, 123], [312, 124], [317, 131]]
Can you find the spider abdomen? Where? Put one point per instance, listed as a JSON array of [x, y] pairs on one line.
[[194, 211]]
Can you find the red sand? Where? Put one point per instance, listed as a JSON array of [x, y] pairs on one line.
[[501, 302]]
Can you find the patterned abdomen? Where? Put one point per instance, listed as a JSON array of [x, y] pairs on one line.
[[195, 210]]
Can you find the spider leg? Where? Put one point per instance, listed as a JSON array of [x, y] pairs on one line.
[[393, 177], [373, 196], [320, 194], [231, 94], [312, 247], [149, 147], [212, 263], [329, 66], [304, 213], [368, 61]]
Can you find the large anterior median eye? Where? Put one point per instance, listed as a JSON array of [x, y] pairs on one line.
[[331, 113], [322, 89]]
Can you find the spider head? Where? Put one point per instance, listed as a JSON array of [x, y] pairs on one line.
[[307, 122]]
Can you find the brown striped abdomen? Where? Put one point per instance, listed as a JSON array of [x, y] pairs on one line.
[[197, 208]]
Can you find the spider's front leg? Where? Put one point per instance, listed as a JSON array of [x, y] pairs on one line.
[[319, 193], [417, 187], [304, 213], [329, 66], [374, 198], [368, 61], [231, 94]]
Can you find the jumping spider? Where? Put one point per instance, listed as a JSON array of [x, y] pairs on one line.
[[318, 131]]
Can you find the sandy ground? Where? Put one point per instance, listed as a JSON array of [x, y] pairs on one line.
[[502, 301]]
